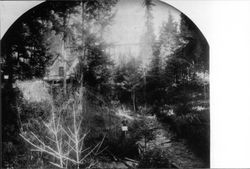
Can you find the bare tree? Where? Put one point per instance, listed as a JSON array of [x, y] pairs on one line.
[[53, 144], [76, 138], [64, 141]]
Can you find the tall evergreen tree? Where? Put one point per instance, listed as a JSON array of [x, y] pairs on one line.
[[196, 45], [148, 37], [169, 38], [129, 80]]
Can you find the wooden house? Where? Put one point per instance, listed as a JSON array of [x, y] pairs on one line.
[[61, 68]]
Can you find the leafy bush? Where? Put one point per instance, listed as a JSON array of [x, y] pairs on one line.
[[154, 159], [121, 146], [143, 129]]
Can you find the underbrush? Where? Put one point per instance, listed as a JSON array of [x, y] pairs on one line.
[[194, 128], [155, 158], [118, 143]]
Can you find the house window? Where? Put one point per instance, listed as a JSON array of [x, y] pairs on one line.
[[61, 71]]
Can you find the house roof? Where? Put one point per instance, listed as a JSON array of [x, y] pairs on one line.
[[53, 70]]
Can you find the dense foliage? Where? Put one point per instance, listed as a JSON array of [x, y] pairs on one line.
[[155, 159], [87, 108]]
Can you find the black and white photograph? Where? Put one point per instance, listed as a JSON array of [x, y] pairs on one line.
[[104, 84]]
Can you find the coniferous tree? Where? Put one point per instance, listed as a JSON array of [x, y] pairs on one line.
[[148, 36], [129, 80]]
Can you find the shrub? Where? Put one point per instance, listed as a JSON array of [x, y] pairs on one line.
[[143, 129], [194, 128], [154, 158]]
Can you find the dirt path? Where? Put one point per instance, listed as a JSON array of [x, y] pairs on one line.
[[176, 151]]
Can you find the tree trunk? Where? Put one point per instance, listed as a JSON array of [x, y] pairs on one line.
[[82, 64], [64, 56], [82, 59], [145, 88], [133, 100], [64, 67]]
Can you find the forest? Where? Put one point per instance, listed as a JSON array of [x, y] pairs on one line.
[[67, 104]]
